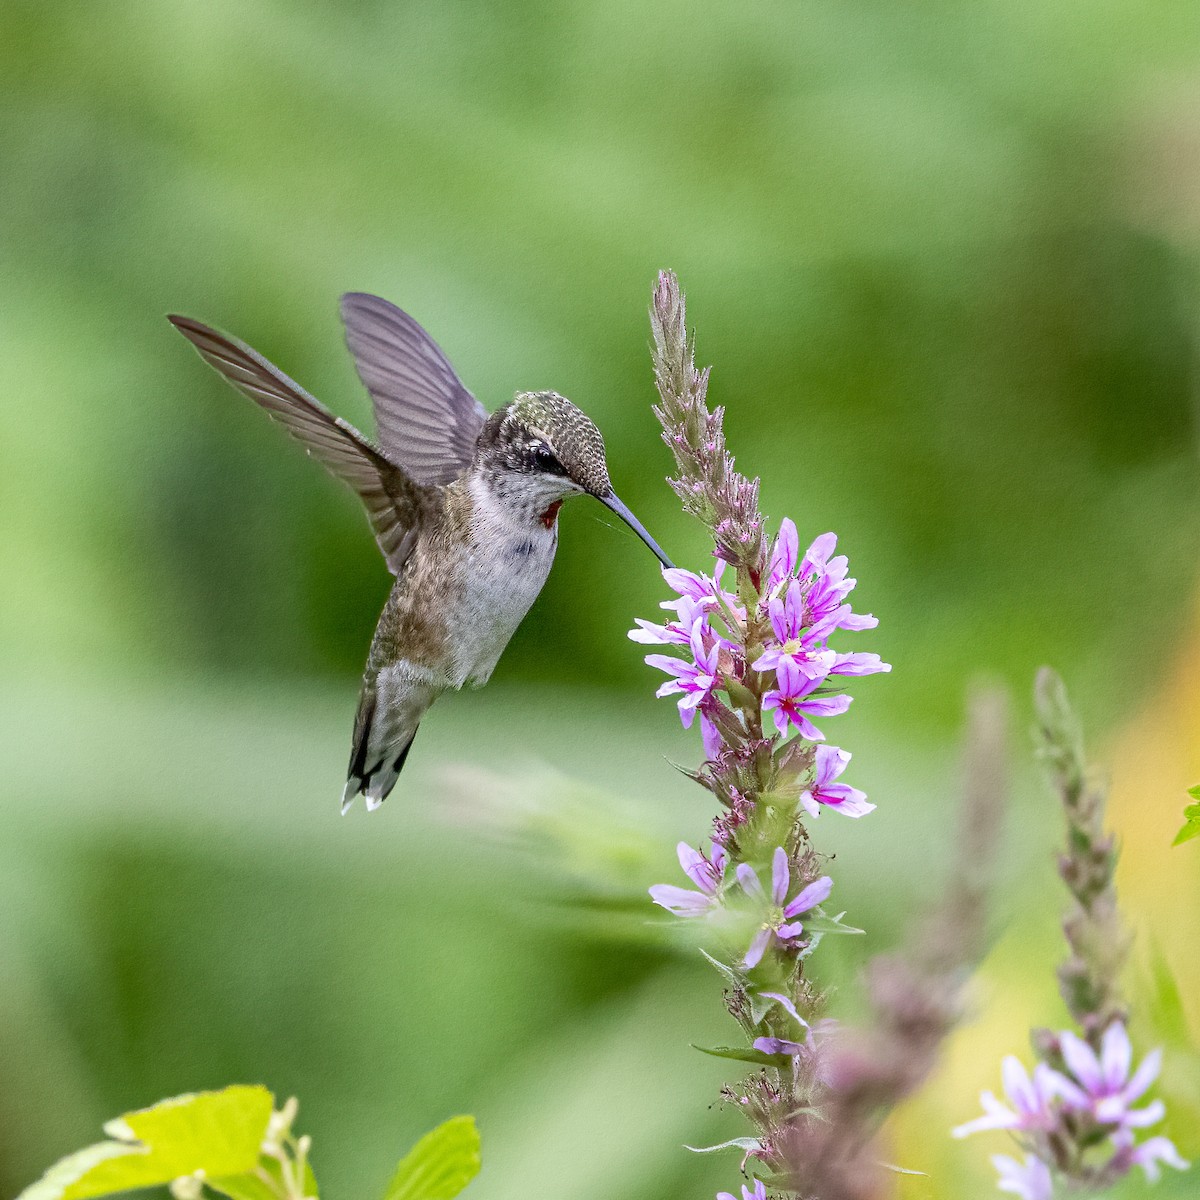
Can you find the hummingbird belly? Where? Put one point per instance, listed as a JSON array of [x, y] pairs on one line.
[[503, 572]]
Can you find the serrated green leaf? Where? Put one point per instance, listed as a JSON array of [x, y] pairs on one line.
[[219, 1133], [1194, 792], [746, 1054], [440, 1165]]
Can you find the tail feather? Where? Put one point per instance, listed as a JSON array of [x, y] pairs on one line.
[[376, 783], [384, 728]]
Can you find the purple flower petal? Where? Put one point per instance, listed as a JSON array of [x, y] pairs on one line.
[[749, 881], [774, 1045], [758, 947], [781, 875], [1116, 1056], [825, 706], [680, 901], [786, 1005], [816, 893], [1082, 1063], [1144, 1076], [1158, 1149], [859, 664]]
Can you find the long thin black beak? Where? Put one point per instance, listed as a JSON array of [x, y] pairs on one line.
[[613, 501]]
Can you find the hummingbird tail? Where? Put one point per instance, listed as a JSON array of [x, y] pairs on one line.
[[376, 783]]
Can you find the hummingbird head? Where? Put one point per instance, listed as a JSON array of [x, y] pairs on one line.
[[540, 449]]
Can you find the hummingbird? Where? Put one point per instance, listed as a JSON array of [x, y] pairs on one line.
[[464, 507]]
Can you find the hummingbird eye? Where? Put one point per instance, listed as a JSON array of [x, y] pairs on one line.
[[544, 460]]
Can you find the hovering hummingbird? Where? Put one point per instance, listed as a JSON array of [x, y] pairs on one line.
[[464, 507]]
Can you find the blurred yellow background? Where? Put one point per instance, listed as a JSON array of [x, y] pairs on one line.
[[943, 257]]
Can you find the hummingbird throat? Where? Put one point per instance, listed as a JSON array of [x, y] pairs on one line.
[[551, 514]]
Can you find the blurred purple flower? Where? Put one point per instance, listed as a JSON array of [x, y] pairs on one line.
[[779, 923], [830, 763], [706, 873], [759, 1192], [1030, 1180], [793, 699], [1105, 1087], [1149, 1154], [694, 681], [1031, 1097]]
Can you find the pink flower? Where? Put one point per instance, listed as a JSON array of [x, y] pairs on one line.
[[1031, 1180], [779, 923], [706, 873], [795, 644], [694, 681], [792, 701], [759, 1192], [1106, 1089], [830, 763], [1149, 1154], [1031, 1098]]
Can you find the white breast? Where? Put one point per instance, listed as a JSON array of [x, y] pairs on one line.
[[504, 570]]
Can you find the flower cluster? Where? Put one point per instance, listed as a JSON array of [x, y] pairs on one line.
[[1079, 1121], [778, 652]]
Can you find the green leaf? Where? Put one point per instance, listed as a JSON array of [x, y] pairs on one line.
[[1194, 792], [1191, 826], [440, 1165], [745, 1054], [822, 924], [727, 971], [243, 1187], [219, 1133]]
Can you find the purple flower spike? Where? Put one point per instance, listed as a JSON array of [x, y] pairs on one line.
[[1105, 1087], [1031, 1097], [706, 873], [792, 700], [759, 1192], [779, 923], [1031, 1180], [694, 681], [850, 802]]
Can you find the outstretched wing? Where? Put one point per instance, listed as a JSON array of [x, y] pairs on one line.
[[391, 499], [426, 419]]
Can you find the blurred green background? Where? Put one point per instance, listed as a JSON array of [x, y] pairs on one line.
[[943, 257]]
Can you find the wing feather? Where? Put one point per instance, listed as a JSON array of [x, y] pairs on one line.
[[392, 500], [426, 419]]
